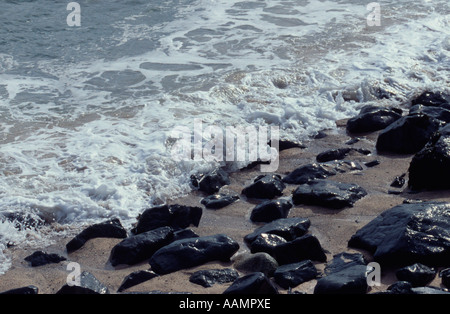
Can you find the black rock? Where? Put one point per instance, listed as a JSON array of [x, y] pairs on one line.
[[372, 163], [343, 260], [256, 283], [192, 252], [445, 275], [347, 280], [373, 118], [265, 186], [184, 234], [108, 229], [217, 201], [428, 98], [327, 193], [291, 275], [408, 134], [40, 258], [287, 228], [271, 210], [407, 234], [300, 249], [333, 154], [175, 216], [135, 278], [399, 181], [439, 113], [266, 242], [308, 172], [287, 144], [257, 262], [209, 277], [417, 274], [23, 290], [404, 287], [213, 181], [430, 168], [140, 247], [88, 285]]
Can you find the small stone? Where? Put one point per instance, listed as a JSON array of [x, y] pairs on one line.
[[291, 275], [213, 181], [288, 228], [299, 249], [40, 258], [265, 187], [209, 277], [23, 290], [417, 274], [256, 283], [88, 285], [266, 242], [136, 278], [217, 201], [271, 210], [260, 262], [309, 172]]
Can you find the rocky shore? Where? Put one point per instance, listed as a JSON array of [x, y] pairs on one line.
[[376, 189]]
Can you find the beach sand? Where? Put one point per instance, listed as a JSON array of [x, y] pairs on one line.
[[333, 228]]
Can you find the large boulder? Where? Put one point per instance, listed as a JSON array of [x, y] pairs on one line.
[[174, 216], [140, 247], [109, 229], [430, 168], [408, 134], [192, 252], [265, 187], [328, 193], [408, 233], [373, 118]]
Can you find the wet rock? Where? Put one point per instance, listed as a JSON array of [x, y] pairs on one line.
[[327, 193], [209, 277], [266, 242], [333, 154], [175, 216], [407, 234], [300, 249], [429, 98], [258, 262], [136, 278], [408, 134], [404, 287], [140, 247], [213, 181], [373, 118], [271, 210], [217, 201], [193, 252], [430, 168], [265, 186], [308, 172], [372, 163], [88, 285], [287, 144], [445, 275], [40, 258], [439, 113], [256, 283], [291, 275], [417, 274], [343, 260], [399, 181], [108, 229], [23, 290], [184, 234], [287, 228]]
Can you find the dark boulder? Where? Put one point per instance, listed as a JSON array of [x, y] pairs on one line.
[[213, 181], [192, 252], [271, 210], [209, 277], [175, 216], [287, 228], [300, 249], [308, 172], [445, 277], [257, 262], [135, 278], [265, 186], [88, 285], [184, 234], [407, 135], [346, 274], [217, 201], [327, 193], [23, 290], [140, 247], [108, 229], [404, 287], [266, 242], [439, 113], [291, 275], [417, 274], [40, 258], [407, 234], [429, 98], [373, 118], [430, 168], [256, 283]]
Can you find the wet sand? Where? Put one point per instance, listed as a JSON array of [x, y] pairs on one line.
[[333, 228]]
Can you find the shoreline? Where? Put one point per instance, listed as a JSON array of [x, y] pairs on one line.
[[333, 228]]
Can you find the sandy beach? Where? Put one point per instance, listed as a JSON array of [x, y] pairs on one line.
[[333, 228]]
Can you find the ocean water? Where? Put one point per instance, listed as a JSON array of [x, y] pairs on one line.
[[87, 112]]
